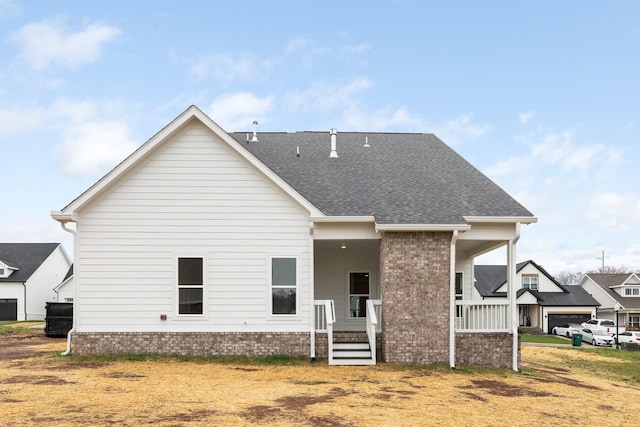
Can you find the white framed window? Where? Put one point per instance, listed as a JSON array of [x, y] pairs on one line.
[[284, 286], [190, 286], [359, 293], [530, 281], [634, 320], [631, 292]]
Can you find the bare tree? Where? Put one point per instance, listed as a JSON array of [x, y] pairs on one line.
[[568, 278], [611, 269]]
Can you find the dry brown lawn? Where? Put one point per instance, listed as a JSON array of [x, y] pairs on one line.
[[37, 388]]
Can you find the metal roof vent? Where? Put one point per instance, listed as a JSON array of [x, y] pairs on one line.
[[255, 131], [334, 152], [366, 142]]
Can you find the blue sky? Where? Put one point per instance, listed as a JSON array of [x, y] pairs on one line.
[[543, 97]]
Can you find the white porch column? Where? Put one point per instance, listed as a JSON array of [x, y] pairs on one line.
[[452, 301], [511, 286]]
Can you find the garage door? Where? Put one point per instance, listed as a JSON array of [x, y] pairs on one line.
[[559, 319], [8, 309]]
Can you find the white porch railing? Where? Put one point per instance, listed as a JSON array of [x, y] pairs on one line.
[[482, 316]]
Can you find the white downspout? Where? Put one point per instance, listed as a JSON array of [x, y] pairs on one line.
[[511, 277], [452, 300], [75, 289]]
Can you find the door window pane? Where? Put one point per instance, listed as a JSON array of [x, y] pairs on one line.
[[358, 294]]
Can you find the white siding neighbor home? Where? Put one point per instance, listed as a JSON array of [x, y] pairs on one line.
[[28, 274], [354, 247], [542, 302], [617, 294]]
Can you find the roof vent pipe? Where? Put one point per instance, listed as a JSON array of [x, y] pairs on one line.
[[255, 131], [334, 152], [366, 142]]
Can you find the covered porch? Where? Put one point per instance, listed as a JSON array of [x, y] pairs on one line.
[[407, 297]]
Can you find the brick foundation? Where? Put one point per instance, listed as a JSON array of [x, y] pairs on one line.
[[415, 282], [490, 349], [192, 343]]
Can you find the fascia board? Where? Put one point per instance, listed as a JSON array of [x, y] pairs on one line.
[[178, 123], [422, 227]]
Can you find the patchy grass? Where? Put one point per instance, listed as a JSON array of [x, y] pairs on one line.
[[13, 327], [609, 363], [545, 339], [275, 360]]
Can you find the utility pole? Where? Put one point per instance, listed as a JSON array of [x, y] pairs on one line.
[[602, 258]]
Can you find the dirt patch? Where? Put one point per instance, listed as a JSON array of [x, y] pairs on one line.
[[500, 388], [36, 388]]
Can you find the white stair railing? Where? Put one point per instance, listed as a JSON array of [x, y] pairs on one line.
[[325, 317], [373, 324]]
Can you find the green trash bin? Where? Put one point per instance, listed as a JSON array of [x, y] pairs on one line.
[[577, 340]]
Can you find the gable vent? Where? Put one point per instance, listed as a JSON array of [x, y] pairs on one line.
[[334, 149]]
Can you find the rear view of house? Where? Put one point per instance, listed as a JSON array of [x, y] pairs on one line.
[[28, 274], [352, 246]]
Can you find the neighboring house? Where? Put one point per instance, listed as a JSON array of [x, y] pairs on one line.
[[65, 290], [609, 289], [28, 274], [208, 242], [542, 301]]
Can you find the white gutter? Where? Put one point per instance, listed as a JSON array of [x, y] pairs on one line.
[[452, 300]]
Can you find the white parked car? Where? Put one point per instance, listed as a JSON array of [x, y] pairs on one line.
[[567, 329], [597, 337], [630, 336]]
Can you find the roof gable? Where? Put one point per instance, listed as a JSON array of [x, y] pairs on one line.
[[24, 258], [165, 135]]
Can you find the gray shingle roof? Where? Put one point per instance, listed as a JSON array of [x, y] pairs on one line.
[[399, 179], [606, 281], [27, 257]]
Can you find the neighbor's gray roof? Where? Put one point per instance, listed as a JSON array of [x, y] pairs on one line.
[[399, 179], [605, 281], [27, 257], [488, 278]]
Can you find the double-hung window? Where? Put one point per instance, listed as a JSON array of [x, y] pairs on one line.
[[284, 285], [530, 282], [190, 286], [631, 292]]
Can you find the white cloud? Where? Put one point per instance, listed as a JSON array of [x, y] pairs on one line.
[[49, 43], [327, 97], [16, 121], [616, 211], [526, 117], [227, 67], [91, 146], [455, 130], [236, 111], [297, 44], [8, 8], [360, 48]]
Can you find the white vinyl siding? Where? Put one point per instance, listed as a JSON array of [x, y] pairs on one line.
[[193, 195]]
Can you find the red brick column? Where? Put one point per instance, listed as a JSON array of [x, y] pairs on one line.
[[414, 279]]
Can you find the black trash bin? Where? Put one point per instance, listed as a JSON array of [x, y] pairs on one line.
[[59, 319]]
